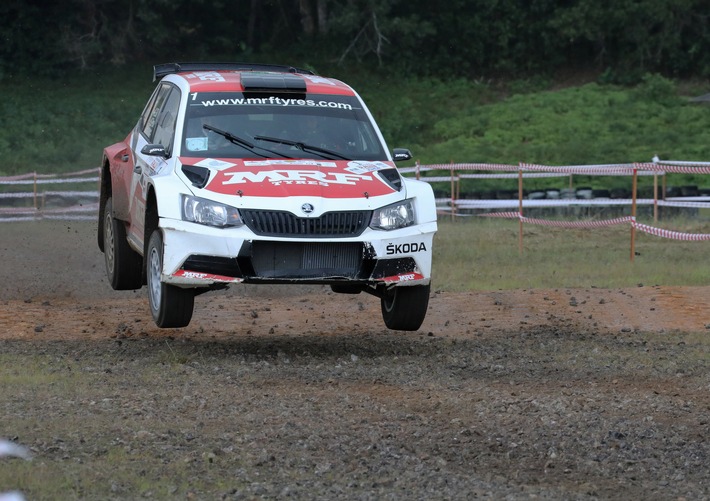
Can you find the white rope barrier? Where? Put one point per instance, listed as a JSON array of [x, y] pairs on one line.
[[526, 175], [51, 181], [501, 171], [673, 235], [543, 203], [76, 213], [452, 205], [684, 163], [82, 212], [30, 194], [684, 203], [651, 230], [58, 210], [33, 175]]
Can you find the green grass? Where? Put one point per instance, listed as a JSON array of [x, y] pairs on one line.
[[62, 125], [114, 464], [483, 254]]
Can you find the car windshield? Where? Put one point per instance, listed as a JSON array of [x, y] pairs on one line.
[[314, 126]]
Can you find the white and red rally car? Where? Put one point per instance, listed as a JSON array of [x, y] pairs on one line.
[[248, 173]]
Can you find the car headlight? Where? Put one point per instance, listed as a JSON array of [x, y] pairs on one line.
[[393, 217], [208, 212]]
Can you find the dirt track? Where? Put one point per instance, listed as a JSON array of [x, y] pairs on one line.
[[562, 394], [53, 276]]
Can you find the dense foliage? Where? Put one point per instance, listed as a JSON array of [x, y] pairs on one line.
[[51, 126], [472, 38], [462, 80]]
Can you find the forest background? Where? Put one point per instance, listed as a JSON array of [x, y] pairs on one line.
[[553, 82]]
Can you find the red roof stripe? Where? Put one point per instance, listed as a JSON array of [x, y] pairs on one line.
[[230, 81]]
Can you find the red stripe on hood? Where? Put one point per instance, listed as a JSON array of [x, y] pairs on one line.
[[286, 178]]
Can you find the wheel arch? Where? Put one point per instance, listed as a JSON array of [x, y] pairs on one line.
[[105, 190], [152, 218]]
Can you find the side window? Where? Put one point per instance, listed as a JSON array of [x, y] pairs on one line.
[[165, 124], [148, 108], [152, 112]]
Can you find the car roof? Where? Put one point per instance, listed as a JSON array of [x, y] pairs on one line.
[[240, 77]]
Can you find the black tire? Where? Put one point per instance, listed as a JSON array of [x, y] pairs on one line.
[[404, 308], [170, 306], [124, 266]]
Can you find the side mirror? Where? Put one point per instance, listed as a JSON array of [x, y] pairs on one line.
[[401, 154], [155, 150]]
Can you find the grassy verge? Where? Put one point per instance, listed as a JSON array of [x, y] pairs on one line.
[[88, 451], [482, 254], [53, 126]]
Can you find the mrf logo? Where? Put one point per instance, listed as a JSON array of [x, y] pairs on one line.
[[279, 177], [406, 248]]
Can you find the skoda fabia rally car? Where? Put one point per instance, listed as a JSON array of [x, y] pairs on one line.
[[242, 173]]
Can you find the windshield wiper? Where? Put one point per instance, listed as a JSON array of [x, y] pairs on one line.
[[302, 146], [231, 137], [241, 142]]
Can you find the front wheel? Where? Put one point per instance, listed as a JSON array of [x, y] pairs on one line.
[[404, 308], [170, 306]]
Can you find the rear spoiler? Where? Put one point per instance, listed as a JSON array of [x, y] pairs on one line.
[[161, 70]]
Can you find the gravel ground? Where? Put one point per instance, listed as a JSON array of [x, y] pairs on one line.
[[303, 394]]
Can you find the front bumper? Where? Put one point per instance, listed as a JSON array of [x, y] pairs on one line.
[[202, 256]]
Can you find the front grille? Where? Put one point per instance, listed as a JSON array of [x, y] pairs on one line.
[[282, 223], [307, 260]]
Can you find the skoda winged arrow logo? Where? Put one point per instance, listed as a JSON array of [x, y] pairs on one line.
[[307, 208]]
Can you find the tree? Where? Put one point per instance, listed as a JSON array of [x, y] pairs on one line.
[[463, 37]]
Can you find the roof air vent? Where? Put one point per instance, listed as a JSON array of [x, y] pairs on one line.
[[270, 82]]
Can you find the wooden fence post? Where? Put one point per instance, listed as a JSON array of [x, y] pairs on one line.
[[520, 209], [655, 197], [664, 187], [634, 186], [453, 194]]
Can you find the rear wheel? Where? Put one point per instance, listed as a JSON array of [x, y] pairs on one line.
[[404, 308], [170, 306], [123, 264]]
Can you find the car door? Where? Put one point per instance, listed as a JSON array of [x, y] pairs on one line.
[[157, 127]]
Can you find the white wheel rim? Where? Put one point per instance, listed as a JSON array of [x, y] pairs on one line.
[[154, 278], [109, 243]]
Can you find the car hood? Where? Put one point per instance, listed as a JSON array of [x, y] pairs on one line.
[[258, 182]]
